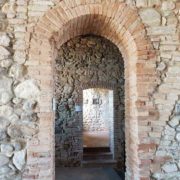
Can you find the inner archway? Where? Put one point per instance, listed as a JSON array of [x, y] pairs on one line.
[[88, 62], [98, 117]]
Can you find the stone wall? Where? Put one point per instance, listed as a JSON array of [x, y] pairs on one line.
[[152, 143], [18, 96], [82, 61], [162, 25], [97, 110]]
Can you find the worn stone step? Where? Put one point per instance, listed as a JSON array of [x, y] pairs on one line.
[[99, 163], [98, 155], [96, 149]]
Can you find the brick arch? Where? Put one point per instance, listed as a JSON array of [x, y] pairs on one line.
[[120, 24]]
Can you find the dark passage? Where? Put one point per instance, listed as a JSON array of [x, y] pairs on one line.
[[87, 174]]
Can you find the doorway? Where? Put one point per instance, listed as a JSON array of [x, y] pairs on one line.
[[97, 117], [98, 130]]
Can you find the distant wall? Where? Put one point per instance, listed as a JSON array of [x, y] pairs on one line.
[[97, 109]]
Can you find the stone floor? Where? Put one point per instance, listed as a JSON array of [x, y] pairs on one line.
[[96, 139], [86, 174]]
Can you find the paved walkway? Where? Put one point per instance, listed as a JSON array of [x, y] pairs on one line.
[[86, 174]]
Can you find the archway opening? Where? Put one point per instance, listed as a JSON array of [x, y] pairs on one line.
[[89, 65]]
